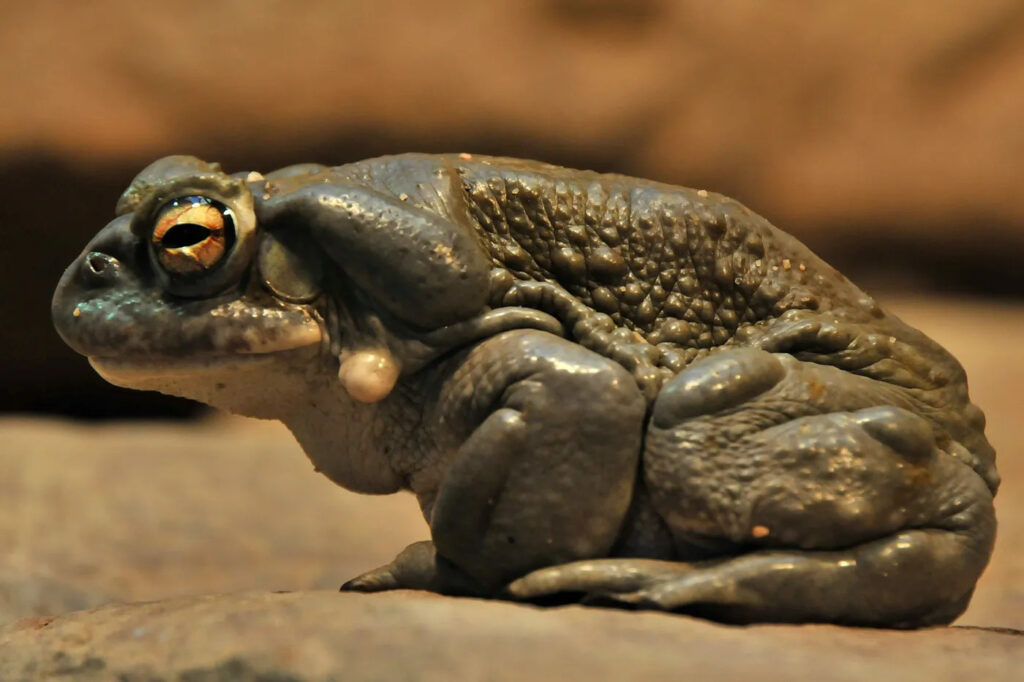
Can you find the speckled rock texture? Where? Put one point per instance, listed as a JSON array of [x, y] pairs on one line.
[[99, 516], [252, 637]]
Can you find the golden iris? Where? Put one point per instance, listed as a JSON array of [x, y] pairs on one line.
[[191, 234]]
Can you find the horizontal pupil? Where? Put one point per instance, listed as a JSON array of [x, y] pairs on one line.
[[184, 234]]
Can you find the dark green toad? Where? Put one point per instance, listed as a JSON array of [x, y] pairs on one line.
[[597, 386]]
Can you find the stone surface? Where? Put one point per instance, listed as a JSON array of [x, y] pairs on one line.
[[154, 512], [417, 636], [140, 511]]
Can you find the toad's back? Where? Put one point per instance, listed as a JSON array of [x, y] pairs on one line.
[[656, 276], [674, 264], [682, 270]]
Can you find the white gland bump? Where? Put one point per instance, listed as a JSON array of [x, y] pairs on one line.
[[369, 375]]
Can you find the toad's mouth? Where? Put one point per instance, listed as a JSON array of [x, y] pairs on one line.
[[147, 327], [127, 369]]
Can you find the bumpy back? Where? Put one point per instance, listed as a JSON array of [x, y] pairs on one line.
[[655, 276]]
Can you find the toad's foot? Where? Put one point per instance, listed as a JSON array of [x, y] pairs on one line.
[[417, 567]]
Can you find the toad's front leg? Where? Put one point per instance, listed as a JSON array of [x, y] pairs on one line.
[[544, 475]]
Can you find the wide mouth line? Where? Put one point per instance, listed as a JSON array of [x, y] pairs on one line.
[[157, 364], [245, 345]]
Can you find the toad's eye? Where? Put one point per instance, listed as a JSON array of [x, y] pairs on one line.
[[192, 235]]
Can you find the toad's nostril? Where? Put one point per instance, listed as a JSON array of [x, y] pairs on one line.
[[99, 269], [97, 264]]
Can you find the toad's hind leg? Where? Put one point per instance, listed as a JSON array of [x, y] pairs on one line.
[[804, 494]]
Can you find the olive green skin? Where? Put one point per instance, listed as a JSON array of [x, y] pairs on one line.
[[640, 394]]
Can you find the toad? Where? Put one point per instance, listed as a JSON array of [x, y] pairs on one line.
[[599, 388]]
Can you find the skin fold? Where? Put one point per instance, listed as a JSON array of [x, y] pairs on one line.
[[598, 387]]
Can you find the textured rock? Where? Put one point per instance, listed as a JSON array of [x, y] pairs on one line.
[[416, 636], [133, 512]]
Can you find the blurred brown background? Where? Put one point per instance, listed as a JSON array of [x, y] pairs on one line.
[[888, 136]]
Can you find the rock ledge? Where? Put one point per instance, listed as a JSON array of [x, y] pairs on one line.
[[326, 635]]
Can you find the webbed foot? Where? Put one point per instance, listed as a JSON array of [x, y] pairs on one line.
[[601, 581]]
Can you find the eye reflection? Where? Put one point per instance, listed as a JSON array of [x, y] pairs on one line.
[[192, 234]]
